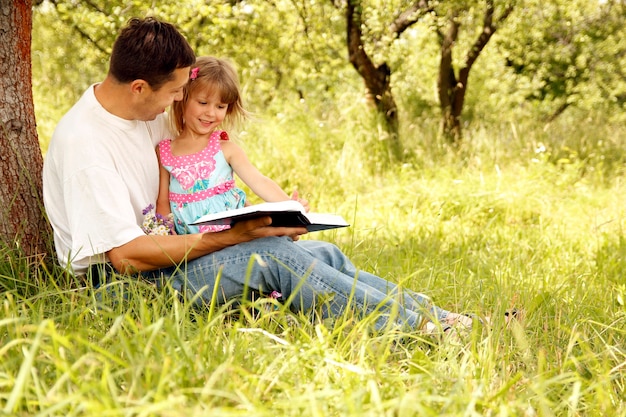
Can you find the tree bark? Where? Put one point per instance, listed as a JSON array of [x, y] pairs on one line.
[[23, 226], [377, 78], [452, 89]]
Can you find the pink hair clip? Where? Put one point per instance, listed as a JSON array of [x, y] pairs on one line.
[[194, 73]]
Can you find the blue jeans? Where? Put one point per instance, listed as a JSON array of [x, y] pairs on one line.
[[304, 272]]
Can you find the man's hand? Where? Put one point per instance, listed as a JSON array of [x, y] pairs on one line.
[[248, 230]]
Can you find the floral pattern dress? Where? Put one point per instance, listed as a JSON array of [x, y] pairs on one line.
[[200, 184]]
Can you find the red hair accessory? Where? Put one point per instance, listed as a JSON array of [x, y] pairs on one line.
[[194, 73]]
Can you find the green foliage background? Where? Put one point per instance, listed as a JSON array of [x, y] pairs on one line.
[[293, 63]]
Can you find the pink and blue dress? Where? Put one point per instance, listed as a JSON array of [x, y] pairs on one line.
[[200, 184]]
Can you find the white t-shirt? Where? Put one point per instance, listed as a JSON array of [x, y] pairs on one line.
[[100, 175]]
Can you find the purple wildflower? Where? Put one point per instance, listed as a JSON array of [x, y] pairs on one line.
[[147, 209]]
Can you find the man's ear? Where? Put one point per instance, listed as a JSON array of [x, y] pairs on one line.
[[138, 86]]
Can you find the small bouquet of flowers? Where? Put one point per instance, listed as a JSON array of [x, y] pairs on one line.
[[156, 224]]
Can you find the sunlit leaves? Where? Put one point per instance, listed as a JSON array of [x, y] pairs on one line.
[[571, 52], [553, 53]]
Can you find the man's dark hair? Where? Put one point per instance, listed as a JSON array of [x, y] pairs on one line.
[[150, 50]]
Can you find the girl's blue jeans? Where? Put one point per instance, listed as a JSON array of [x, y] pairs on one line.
[[307, 273]]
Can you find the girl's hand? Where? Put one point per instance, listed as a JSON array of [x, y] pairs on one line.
[[304, 202]]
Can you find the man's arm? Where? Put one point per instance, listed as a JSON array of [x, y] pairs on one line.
[[152, 252]]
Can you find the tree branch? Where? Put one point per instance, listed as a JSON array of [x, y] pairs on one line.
[[358, 57], [84, 35], [410, 16], [489, 28], [95, 7]]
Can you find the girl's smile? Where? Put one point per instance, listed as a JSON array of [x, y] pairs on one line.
[[204, 112]]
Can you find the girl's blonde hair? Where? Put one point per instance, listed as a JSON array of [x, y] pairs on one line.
[[212, 74]]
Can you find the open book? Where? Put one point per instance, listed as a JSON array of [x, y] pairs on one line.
[[288, 213]]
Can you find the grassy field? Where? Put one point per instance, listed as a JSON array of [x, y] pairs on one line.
[[527, 219]]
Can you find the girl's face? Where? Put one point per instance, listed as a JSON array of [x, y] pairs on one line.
[[204, 111]]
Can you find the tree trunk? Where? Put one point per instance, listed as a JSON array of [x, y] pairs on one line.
[[377, 78], [23, 226], [451, 90]]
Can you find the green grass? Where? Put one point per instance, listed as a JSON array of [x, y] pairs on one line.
[[499, 223]]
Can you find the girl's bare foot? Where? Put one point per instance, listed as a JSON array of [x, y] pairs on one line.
[[456, 319], [467, 320]]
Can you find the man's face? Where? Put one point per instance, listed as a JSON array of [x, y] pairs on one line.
[[155, 102]]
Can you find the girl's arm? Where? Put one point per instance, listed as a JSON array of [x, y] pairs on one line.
[[163, 209], [261, 185], [163, 200]]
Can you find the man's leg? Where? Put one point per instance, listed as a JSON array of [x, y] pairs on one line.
[[304, 273], [332, 255]]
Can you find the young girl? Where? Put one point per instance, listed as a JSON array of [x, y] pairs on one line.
[[196, 176]]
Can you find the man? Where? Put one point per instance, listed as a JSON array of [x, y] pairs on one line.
[[101, 182]]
